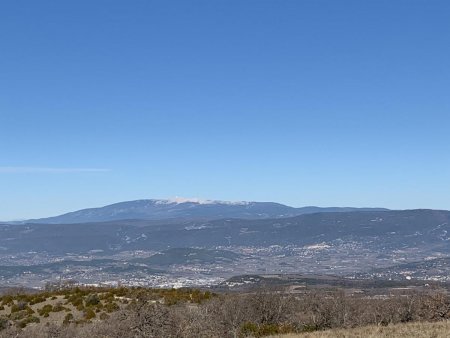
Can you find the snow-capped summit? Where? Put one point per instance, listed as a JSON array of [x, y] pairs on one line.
[[181, 200]]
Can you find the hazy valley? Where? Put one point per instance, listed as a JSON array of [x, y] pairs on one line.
[[200, 248]]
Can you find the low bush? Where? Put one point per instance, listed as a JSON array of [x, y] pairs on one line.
[[4, 323], [91, 300], [68, 318], [45, 310], [89, 314], [28, 320]]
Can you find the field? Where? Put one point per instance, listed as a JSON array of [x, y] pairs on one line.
[[410, 330]]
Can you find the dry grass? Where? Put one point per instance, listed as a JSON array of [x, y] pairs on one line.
[[410, 330]]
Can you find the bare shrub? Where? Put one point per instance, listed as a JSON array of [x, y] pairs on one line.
[[240, 315]]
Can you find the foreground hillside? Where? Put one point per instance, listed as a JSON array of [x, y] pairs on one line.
[[409, 330], [187, 313]]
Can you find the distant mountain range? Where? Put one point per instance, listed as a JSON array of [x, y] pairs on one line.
[[186, 209]]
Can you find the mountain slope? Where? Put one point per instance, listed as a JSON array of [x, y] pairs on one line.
[[153, 209], [387, 229]]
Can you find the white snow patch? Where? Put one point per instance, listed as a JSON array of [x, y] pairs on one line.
[[318, 246], [181, 200]]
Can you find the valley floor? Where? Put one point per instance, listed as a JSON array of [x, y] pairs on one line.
[[410, 330]]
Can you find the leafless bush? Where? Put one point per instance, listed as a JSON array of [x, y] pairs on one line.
[[251, 314]]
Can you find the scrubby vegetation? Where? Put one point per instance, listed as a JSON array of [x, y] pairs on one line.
[[184, 313], [81, 306]]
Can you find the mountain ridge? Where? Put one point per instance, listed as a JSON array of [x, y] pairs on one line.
[[188, 209]]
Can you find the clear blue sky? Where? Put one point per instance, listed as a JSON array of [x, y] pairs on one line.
[[330, 103]]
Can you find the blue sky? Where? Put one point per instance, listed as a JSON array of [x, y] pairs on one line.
[[330, 103]]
